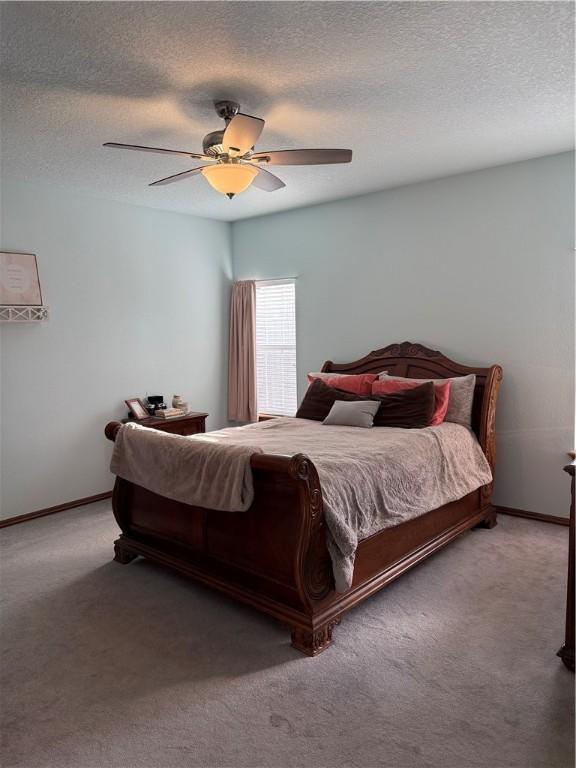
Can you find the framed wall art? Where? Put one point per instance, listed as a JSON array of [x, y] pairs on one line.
[[19, 281]]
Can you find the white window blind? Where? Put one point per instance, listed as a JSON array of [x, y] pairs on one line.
[[276, 347]]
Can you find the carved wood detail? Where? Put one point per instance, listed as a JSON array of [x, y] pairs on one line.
[[315, 568], [312, 642], [405, 349]]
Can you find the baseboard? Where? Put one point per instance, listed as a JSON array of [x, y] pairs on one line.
[[53, 510], [531, 515], [108, 494]]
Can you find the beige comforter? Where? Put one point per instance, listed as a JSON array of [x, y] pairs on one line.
[[371, 478], [204, 473]]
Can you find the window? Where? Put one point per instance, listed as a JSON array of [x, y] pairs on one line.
[[276, 347]]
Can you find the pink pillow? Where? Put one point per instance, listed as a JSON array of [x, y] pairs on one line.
[[358, 384], [441, 394]]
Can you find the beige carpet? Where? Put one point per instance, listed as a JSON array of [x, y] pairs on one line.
[[135, 667]]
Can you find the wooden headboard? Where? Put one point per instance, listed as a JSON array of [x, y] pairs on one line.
[[418, 362]]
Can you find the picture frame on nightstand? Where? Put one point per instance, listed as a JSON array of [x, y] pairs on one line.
[[137, 408]]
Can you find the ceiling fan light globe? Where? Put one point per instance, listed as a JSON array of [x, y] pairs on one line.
[[229, 179]]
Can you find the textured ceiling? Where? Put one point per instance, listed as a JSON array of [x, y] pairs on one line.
[[417, 89]]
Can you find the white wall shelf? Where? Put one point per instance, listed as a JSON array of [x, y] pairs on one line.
[[23, 314]]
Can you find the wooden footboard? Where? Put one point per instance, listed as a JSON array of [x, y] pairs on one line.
[[273, 556]]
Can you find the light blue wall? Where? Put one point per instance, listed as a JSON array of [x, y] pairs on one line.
[[479, 265], [139, 303]]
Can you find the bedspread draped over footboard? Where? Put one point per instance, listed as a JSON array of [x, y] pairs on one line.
[[204, 473], [371, 479]]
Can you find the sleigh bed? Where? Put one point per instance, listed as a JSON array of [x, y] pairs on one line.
[[274, 556]]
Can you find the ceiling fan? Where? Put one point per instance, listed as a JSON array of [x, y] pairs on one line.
[[233, 164]]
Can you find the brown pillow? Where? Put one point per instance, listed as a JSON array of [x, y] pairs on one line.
[[410, 408]]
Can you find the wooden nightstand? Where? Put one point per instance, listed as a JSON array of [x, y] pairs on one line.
[[191, 424]]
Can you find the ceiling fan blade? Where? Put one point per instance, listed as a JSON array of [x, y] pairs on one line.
[[178, 176], [114, 145], [267, 181], [241, 133], [303, 156]]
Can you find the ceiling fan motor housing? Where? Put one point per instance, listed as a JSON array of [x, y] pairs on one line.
[[227, 109], [212, 143]]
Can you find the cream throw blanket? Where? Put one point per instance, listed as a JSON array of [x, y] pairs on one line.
[[195, 470], [371, 478]]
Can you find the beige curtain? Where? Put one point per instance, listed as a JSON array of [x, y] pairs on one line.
[[242, 353]]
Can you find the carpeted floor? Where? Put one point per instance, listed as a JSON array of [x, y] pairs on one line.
[[114, 666]]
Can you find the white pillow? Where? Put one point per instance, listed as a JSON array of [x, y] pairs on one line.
[[356, 413]]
